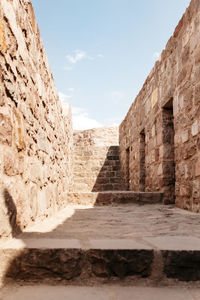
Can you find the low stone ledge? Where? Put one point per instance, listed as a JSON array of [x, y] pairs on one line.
[[60, 262], [113, 198]]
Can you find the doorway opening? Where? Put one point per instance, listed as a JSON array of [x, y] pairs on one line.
[[142, 161], [168, 153]]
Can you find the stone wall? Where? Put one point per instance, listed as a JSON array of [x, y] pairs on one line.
[[35, 137], [160, 136], [96, 160]]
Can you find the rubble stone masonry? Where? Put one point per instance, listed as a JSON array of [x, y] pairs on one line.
[[35, 136], [157, 150], [96, 160], [160, 136]]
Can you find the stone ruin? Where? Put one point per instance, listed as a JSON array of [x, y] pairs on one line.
[[159, 139], [154, 156]]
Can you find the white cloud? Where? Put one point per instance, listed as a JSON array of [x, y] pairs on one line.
[[78, 55], [65, 105], [63, 97], [157, 55], [81, 119], [115, 124]]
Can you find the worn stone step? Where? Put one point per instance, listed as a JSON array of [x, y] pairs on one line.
[[95, 174], [99, 180], [113, 197], [60, 260], [109, 186], [102, 292], [87, 245], [96, 187]]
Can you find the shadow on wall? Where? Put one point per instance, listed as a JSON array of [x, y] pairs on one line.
[[110, 177], [12, 213]]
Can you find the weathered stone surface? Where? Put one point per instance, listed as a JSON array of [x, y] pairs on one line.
[[96, 161], [121, 263], [40, 264], [182, 265], [5, 130], [112, 198], [166, 113], [106, 292], [129, 241], [35, 135]]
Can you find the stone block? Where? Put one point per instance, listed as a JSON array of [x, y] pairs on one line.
[[62, 263], [13, 164], [182, 265], [184, 136], [197, 167], [18, 131], [3, 44], [195, 128], [185, 190], [154, 97], [196, 189], [6, 129], [121, 263], [160, 169]]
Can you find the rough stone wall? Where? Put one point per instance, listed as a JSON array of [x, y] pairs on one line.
[[160, 136], [96, 160], [35, 137]]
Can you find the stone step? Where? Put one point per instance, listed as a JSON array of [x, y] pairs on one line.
[[113, 197], [99, 179], [61, 260], [127, 244], [102, 292], [110, 186], [84, 161], [85, 187], [101, 174]]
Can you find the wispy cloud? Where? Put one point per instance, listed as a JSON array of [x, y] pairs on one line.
[[156, 55], [82, 121], [77, 56], [80, 116], [63, 97]]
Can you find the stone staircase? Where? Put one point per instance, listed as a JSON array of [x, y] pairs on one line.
[[110, 177], [132, 245], [99, 179], [106, 235], [98, 169]]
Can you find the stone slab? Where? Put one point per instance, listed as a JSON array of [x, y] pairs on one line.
[[99, 293], [123, 244], [114, 242], [176, 243], [113, 198], [41, 244]]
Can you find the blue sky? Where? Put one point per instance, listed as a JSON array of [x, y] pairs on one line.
[[101, 51]]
